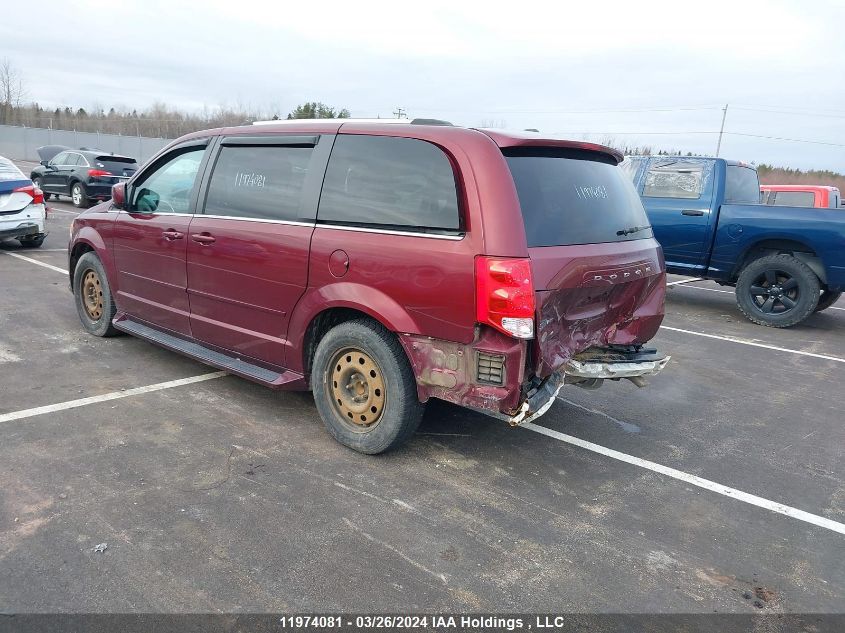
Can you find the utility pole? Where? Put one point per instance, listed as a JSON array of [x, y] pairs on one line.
[[400, 113], [722, 129]]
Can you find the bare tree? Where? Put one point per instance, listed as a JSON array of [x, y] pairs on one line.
[[12, 90]]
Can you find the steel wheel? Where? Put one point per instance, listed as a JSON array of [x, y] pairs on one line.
[[76, 195], [92, 295], [775, 292], [357, 389]]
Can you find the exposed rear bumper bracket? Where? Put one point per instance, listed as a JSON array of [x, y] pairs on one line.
[[589, 370]]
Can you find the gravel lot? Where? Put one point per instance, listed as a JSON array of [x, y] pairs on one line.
[[220, 495]]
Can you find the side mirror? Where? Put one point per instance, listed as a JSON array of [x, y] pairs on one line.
[[118, 195], [46, 163]]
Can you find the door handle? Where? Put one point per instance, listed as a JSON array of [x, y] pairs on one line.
[[695, 212], [203, 238], [171, 235]]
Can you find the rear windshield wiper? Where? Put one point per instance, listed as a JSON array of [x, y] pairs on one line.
[[633, 229]]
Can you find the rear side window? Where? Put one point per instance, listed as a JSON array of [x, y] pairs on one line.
[[794, 198], [742, 185], [574, 197], [74, 159], [674, 178], [834, 200], [263, 182], [389, 182]]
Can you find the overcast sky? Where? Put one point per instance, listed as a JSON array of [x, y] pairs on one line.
[[644, 72]]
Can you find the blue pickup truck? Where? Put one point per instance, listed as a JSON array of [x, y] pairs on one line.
[[785, 262]]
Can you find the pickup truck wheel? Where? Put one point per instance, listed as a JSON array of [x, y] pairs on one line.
[[364, 388], [827, 299], [92, 295], [777, 291]]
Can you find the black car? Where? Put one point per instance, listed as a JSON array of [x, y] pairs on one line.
[[86, 175]]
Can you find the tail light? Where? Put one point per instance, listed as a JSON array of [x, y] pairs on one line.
[[96, 173], [505, 295], [34, 192]]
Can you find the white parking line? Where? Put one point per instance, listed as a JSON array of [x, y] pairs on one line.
[[55, 210], [732, 339], [114, 395], [684, 281], [730, 292], [35, 261], [694, 480]]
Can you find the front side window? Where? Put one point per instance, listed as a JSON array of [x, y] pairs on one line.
[[263, 182], [73, 160], [674, 178], [389, 182], [169, 187], [59, 159]]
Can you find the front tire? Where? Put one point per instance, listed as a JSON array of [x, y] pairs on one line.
[[827, 299], [79, 196], [364, 388], [92, 294], [777, 291]]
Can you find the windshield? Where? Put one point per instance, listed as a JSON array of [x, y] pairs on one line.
[[574, 197]]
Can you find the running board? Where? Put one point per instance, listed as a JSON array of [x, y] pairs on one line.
[[204, 354]]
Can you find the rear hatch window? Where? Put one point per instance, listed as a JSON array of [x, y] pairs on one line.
[[11, 177], [117, 165], [575, 197]]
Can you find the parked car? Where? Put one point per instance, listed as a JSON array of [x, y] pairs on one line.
[[85, 175], [785, 262], [23, 214], [818, 196], [381, 265]]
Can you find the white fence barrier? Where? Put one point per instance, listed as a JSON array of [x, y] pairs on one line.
[[20, 143]]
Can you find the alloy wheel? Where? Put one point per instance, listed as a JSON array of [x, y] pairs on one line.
[[774, 292]]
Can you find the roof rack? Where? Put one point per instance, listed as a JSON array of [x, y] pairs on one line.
[[381, 121]]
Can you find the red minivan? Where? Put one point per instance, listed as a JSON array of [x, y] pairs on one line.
[[381, 264]]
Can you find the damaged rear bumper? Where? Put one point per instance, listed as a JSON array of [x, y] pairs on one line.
[[589, 370]]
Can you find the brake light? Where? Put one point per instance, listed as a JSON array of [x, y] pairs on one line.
[[504, 295], [96, 173], [34, 192]]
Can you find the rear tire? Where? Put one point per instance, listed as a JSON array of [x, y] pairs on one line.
[[777, 291], [79, 196], [827, 299], [92, 294], [32, 242], [364, 388]]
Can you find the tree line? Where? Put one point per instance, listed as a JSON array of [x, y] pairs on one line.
[[158, 121]]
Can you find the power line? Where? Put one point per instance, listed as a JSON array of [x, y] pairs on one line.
[[781, 138], [589, 111]]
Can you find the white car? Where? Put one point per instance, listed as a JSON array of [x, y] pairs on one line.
[[23, 214]]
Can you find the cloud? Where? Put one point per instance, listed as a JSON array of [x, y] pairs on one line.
[[532, 64]]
